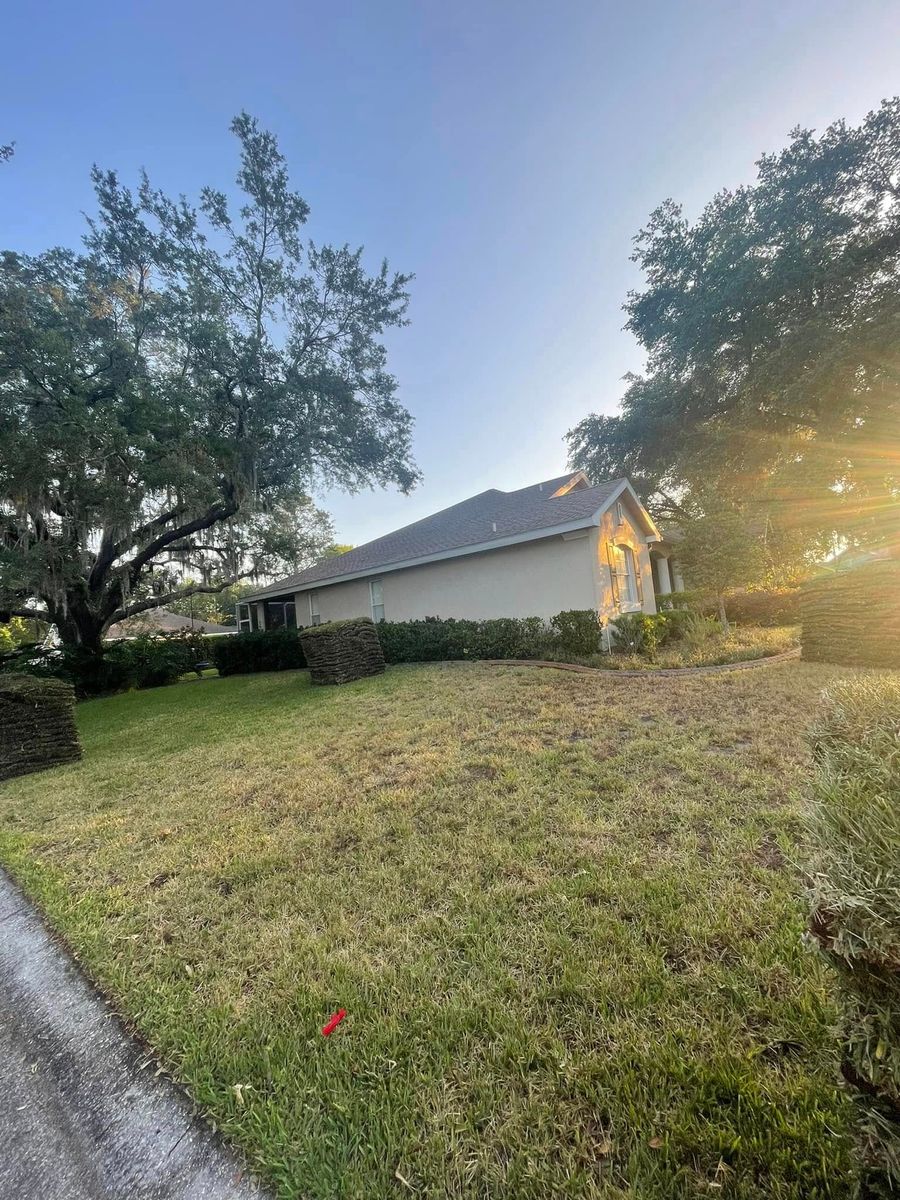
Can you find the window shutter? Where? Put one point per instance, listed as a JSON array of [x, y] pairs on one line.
[[639, 576], [614, 578]]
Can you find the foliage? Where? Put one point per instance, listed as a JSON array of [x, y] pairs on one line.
[[554, 907], [437, 640], [771, 324], [141, 662], [855, 893], [16, 632], [638, 632], [718, 550], [262, 650], [756, 606], [853, 616], [577, 632], [218, 607], [703, 644], [169, 395]]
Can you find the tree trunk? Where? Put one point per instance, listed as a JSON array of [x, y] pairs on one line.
[[77, 626], [723, 617]]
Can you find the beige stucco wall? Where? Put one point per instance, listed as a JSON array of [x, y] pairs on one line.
[[532, 579]]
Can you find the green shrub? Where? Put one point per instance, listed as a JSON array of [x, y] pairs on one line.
[[855, 891], [638, 633], [771, 606], [674, 601], [437, 640], [853, 617], [766, 606], [577, 632], [134, 663], [262, 650]]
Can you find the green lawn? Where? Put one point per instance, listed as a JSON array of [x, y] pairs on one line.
[[556, 907]]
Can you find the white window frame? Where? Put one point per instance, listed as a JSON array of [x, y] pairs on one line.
[[245, 624], [626, 567], [620, 513], [376, 599], [315, 617]]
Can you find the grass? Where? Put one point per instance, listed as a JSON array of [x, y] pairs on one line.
[[555, 907], [742, 643]]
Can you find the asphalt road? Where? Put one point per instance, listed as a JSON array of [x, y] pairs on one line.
[[79, 1118]]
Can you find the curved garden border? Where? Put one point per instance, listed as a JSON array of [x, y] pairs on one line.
[[745, 664]]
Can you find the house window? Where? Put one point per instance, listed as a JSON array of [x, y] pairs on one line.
[[376, 595], [620, 513], [315, 617], [625, 572], [244, 622], [281, 614]]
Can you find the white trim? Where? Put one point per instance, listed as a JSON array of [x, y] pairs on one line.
[[373, 605], [514, 539]]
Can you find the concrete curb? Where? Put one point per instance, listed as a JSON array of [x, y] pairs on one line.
[[79, 1119]]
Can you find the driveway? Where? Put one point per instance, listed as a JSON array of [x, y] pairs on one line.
[[79, 1117]]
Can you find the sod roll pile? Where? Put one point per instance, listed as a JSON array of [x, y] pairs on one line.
[[37, 725], [853, 617], [854, 873], [342, 651]]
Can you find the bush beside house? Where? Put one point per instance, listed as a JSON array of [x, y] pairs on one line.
[[262, 650], [853, 617], [855, 886]]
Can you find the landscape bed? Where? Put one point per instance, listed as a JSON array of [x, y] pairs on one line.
[[557, 909]]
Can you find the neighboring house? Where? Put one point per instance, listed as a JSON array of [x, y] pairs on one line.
[[160, 620], [562, 544]]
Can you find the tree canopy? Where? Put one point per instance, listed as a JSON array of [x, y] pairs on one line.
[[170, 394], [771, 326]]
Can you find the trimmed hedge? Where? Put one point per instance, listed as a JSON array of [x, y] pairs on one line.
[[262, 650], [853, 617], [855, 893], [37, 725], [341, 651], [435, 640]]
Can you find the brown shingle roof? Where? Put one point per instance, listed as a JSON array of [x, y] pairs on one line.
[[491, 516]]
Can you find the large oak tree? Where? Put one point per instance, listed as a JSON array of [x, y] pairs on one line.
[[772, 331], [170, 394]]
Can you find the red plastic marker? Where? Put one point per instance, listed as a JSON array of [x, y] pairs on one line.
[[334, 1022]]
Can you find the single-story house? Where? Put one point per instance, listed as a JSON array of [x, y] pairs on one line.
[[562, 544], [161, 620]]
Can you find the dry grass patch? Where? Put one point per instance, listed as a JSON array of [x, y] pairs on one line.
[[554, 906]]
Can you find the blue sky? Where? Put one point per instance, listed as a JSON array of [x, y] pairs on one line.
[[504, 151]]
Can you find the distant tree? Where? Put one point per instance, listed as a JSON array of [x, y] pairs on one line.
[[718, 549], [771, 327], [7, 151], [335, 549], [169, 396]]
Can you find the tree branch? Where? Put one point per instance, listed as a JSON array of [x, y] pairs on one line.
[[139, 606]]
